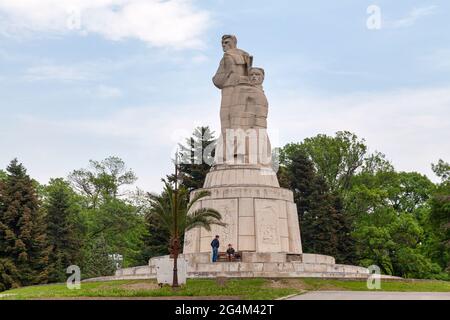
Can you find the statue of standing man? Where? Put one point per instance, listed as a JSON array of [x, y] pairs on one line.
[[243, 110], [233, 71]]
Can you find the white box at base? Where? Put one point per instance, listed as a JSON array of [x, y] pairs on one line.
[[164, 271]]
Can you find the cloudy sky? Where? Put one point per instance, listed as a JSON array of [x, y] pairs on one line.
[[87, 79]]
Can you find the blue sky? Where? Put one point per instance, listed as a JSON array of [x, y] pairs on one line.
[[134, 76]]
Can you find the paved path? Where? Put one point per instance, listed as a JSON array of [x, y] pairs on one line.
[[371, 295]]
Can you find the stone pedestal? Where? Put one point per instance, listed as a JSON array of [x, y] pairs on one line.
[[260, 216]]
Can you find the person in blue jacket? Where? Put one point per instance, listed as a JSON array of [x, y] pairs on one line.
[[215, 244]]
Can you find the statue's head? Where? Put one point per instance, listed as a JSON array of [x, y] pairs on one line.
[[228, 42], [256, 76]]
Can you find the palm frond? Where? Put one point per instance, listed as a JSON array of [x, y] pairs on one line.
[[204, 217], [162, 207], [198, 195]]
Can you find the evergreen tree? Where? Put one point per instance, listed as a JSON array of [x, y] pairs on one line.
[[196, 158], [325, 228], [23, 245], [439, 216], [8, 275], [61, 230], [156, 240], [96, 259], [3, 175]]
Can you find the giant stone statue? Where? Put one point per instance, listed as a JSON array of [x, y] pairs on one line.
[[244, 108], [261, 217]]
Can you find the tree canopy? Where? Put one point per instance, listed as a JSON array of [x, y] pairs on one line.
[[352, 204]]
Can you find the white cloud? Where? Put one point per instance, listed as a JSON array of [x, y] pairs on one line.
[[171, 23], [107, 92], [57, 72], [145, 137], [411, 18], [439, 59], [410, 126]]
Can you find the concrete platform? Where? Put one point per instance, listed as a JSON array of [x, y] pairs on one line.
[[254, 265]]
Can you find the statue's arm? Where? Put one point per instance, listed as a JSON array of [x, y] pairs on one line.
[[223, 73]]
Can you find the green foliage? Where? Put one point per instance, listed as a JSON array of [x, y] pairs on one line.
[[336, 159], [325, 228], [389, 210], [442, 170], [106, 213], [23, 246], [439, 218], [122, 227], [252, 289], [63, 230], [102, 180], [175, 223], [3, 175], [96, 260], [392, 216], [351, 205], [411, 191], [156, 243], [393, 242], [196, 157], [8, 274]]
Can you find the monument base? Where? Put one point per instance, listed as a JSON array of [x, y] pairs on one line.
[[253, 265], [259, 215]]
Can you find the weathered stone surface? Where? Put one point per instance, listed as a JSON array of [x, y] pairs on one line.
[[257, 220], [254, 264], [267, 225], [240, 175], [317, 258], [246, 226], [253, 257], [246, 207], [228, 234], [247, 243]]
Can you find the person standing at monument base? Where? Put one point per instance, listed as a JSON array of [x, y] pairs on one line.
[[215, 244]]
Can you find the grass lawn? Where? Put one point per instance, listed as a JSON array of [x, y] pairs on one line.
[[207, 288]]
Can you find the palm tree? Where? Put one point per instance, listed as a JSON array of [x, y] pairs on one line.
[[174, 212]]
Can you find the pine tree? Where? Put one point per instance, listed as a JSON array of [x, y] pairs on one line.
[[96, 260], [61, 230], [196, 157], [23, 245], [8, 275], [324, 225]]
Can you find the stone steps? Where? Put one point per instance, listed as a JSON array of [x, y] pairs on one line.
[[264, 265]]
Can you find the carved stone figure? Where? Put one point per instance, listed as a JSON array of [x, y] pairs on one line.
[[232, 71], [244, 108], [260, 216]]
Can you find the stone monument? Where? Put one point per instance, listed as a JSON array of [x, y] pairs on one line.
[[262, 221], [261, 217]]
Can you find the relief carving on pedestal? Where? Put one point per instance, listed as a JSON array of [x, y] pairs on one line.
[[270, 235], [228, 210], [227, 234], [267, 224]]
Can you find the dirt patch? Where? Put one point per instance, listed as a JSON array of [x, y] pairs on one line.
[[140, 286], [288, 284]]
